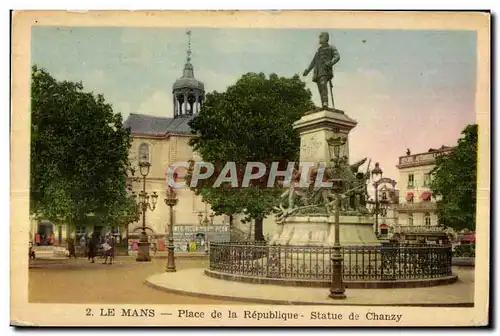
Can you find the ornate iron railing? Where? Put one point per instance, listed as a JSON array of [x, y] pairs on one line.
[[360, 263]]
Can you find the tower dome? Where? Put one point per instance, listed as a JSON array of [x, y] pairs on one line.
[[188, 92]]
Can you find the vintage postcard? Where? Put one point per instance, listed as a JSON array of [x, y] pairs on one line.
[[278, 168]]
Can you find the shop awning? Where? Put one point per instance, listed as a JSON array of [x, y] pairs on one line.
[[409, 196], [471, 237], [384, 226], [426, 195]]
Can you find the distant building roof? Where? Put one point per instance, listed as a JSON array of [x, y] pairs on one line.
[[422, 159], [152, 125], [439, 149]]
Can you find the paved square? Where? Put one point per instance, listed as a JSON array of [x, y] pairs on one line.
[[78, 281]]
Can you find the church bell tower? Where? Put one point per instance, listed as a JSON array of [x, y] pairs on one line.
[[188, 92]]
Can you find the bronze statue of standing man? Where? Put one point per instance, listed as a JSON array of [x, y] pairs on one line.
[[324, 60]]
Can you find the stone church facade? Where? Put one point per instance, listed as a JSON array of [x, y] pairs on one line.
[[164, 141]]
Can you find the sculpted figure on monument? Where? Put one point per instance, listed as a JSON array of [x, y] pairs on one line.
[[319, 200], [294, 192], [355, 166], [323, 61], [300, 198]]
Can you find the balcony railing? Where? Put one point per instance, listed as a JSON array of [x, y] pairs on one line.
[[420, 229], [416, 206]]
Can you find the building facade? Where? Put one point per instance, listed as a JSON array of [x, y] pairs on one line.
[[389, 216], [416, 210], [163, 141]]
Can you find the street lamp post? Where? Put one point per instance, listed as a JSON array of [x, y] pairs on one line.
[[379, 205], [204, 221], [145, 202], [337, 289], [376, 176], [171, 200]]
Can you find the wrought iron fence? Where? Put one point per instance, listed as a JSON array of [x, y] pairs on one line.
[[360, 263]]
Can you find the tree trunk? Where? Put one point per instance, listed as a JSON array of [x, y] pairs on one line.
[[258, 229], [126, 236], [230, 222]]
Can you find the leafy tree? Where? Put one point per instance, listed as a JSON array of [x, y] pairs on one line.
[[251, 122], [79, 155], [454, 179]]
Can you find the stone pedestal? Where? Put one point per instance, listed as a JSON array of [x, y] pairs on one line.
[[318, 126], [319, 231], [315, 128]]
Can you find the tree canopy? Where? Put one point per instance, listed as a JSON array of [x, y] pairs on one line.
[[79, 155], [455, 179], [251, 122]]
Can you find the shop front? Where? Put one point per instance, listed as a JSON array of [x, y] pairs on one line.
[[44, 235], [196, 238]]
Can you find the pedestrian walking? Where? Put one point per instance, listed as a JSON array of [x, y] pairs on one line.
[[31, 252], [109, 249], [71, 248], [83, 244], [87, 246], [93, 245]]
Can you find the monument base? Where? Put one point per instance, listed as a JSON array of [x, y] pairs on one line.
[[316, 127], [320, 231], [143, 251]]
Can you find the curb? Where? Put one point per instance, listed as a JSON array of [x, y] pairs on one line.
[[465, 262], [353, 284], [302, 303]]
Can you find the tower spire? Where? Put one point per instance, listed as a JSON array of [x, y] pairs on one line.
[[188, 92], [188, 71], [188, 58]]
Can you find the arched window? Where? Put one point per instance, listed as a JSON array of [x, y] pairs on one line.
[[427, 219], [410, 219], [144, 153]]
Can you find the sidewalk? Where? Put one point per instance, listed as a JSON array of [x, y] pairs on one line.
[[194, 282], [66, 263], [161, 254]]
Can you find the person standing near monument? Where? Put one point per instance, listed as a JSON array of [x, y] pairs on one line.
[[324, 60]]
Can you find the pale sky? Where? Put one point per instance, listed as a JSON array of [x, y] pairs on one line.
[[405, 88]]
